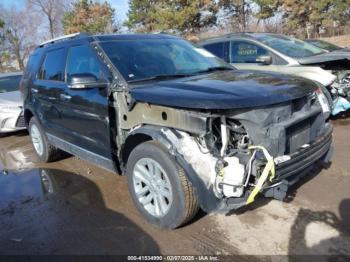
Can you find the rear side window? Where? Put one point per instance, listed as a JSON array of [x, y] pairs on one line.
[[9, 83], [82, 60], [216, 49], [53, 66], [246, 52]]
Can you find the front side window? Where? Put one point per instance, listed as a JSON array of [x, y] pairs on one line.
[[9, 83], [216, 49], [149, 58], [82, 60], [53, 67], [246, 52]]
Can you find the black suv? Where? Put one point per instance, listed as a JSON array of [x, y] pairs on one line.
[[187, 129]]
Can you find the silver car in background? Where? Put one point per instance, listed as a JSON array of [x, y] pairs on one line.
[[11, 115], [283, 54]]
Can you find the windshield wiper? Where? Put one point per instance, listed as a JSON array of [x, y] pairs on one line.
[[160, 77], [214, 68]]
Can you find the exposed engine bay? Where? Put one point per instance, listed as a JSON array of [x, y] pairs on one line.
[[234, 154]]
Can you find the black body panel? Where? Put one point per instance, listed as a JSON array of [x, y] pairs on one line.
[[224, 90]]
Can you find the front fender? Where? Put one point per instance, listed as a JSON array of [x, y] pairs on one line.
[[206, 198]]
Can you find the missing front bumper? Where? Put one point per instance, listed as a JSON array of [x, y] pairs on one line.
[[289, 172]]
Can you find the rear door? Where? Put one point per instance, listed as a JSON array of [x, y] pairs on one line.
[[84, 112], [47, 87], [219, 49]]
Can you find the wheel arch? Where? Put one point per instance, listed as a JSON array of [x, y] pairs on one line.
[[131, 142], [139, 136], [206, 198]]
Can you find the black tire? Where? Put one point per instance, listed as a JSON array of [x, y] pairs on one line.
[[184, 205], [49, 152]]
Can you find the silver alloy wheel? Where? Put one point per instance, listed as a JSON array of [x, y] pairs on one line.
[[37, 140], [152, 187]]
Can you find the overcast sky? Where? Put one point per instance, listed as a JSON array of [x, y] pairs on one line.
[[121, 6]]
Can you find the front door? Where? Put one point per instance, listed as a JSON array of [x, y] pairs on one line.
[[244, 54], [85, 111]]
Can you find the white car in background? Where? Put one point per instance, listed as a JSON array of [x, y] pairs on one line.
[[11, 115]]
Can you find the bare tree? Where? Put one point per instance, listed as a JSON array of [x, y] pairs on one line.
[[238, 12], [53, 10], [19, 32]]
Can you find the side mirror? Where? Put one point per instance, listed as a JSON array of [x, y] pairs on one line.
[[83, 81], [264, 59]]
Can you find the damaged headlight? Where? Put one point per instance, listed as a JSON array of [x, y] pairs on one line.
[[322, 99]]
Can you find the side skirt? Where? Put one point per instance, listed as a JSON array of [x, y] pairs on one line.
[[89, 156]]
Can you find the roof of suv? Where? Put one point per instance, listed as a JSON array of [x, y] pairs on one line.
[[132, 37], [83, 36]]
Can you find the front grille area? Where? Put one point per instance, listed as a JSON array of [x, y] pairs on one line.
[[305, 157], [298, 104], [298, 135], [284, 128]]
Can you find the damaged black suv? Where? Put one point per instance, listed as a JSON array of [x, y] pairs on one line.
[[188, 130]]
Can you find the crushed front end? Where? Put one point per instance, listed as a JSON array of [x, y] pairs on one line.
[[261, 150], [232, 155]]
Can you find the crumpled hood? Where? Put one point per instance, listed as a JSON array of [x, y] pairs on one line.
[[224, 90], [11, 98], [331, 57]]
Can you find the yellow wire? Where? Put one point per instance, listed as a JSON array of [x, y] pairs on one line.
[[269, 169]]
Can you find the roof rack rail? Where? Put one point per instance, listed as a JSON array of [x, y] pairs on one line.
[[64, 37]]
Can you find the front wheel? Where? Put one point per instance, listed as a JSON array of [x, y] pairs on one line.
[[159, 186]]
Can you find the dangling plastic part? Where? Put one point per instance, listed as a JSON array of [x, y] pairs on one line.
[[268, 170]]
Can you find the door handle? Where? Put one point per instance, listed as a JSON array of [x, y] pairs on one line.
[[65, 97], [35, 91]]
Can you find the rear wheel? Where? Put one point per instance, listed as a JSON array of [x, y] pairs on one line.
[[45, 151], [159, 186]]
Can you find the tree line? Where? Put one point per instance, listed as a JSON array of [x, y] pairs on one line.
[[302, 18], [22, 29]]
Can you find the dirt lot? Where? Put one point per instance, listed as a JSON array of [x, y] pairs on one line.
[[343, 40], [72, 207]]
